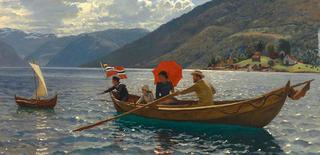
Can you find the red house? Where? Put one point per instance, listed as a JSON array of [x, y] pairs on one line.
[[256, 57]]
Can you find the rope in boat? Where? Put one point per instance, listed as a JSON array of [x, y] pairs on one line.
[[265, 98], [252, 104]]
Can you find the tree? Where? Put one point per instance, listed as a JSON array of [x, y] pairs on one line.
[[284, 45], [213, 61], [271, 63], [228, 53], [271, 51], [250, 50], [260, 47]]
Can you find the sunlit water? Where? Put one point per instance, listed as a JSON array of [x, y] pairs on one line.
[[28, 131]]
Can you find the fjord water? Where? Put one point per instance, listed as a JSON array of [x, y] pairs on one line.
[[29, 131]]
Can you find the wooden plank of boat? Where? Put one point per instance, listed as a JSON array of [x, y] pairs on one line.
[[257, 112], [34, 103]]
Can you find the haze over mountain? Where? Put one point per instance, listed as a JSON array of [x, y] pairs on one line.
[[48, 50], [8, 56], [24, 43], [87, 47], [221, 25], [68, 51]]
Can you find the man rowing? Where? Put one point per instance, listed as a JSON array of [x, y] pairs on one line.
[[203, 90], [120, 89]]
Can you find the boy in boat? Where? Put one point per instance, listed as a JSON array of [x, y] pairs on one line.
[[146, 96], [120, 89], [203, 90]]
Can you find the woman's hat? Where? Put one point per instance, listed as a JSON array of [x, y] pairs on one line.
[[198, 72]]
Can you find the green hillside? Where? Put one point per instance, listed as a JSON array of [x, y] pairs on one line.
[[219, 27], [279, 67]]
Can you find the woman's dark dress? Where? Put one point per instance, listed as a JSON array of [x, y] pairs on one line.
[[163, 89]]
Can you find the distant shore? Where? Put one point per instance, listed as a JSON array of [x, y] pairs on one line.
[[264, 65]]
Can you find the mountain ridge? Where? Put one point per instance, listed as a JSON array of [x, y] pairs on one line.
[[9, 58], [24, 43], [297, 20], [89, 46]]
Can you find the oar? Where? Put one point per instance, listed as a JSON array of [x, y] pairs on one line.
[[104, 100], [124, 114], [300, 84]]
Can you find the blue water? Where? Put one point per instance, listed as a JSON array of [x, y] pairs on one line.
[[296, 130]]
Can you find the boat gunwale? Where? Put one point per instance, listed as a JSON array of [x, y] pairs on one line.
[[259, 97], [45, 99]]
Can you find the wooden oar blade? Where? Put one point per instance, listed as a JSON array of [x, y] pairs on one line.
[[123, 114], [98, 123]]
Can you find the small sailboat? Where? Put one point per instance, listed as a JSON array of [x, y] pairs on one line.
[[38, 101]]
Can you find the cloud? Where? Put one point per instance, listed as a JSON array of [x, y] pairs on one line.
[[13, 14], [66, 17], [48, 14]]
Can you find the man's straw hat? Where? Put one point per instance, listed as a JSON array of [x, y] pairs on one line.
[[198, 72]]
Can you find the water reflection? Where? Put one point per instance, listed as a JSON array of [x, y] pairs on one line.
[[296, 134], [40, 128], [41, 136], [46, 112], [164, 143], [192, 137]]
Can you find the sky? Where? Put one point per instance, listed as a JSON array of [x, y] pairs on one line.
[[67, 17]]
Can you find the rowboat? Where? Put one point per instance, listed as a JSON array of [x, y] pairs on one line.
[[38, 100], [256, 112], [37, 103]]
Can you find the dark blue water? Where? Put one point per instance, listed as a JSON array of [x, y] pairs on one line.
[[296, 130]]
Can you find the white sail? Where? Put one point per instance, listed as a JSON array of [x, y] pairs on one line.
[[42, 88]]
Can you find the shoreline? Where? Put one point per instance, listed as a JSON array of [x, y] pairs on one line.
[[150, 69], [230, 70]]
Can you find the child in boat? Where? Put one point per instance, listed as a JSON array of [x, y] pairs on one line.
[[146, 96]]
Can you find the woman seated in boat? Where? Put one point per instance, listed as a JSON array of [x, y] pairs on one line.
[[120, 89], [204, 90], [164, 86], [146, 96]]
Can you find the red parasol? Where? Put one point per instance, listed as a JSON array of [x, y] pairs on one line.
[[173, 69]]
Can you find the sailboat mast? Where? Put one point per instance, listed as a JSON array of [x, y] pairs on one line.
[[35, 84]]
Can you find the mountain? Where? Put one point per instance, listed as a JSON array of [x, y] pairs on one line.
[[90, 46], [24, 43], [8, 57], [50, 49], [222, 26]]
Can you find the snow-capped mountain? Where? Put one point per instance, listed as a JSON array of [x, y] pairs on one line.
[[24, 43]]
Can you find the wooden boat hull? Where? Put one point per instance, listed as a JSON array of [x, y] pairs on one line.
[[257, 112], [33, 103]]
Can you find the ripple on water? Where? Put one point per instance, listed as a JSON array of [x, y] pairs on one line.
[[49, 132]]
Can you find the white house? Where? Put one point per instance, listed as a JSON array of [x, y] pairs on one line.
[[319, 42], [289, 60]]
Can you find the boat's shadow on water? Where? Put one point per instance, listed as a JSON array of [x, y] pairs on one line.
[[35, 110], [233, 139]]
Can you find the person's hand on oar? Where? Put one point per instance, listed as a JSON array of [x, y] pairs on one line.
[[126, 113]]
